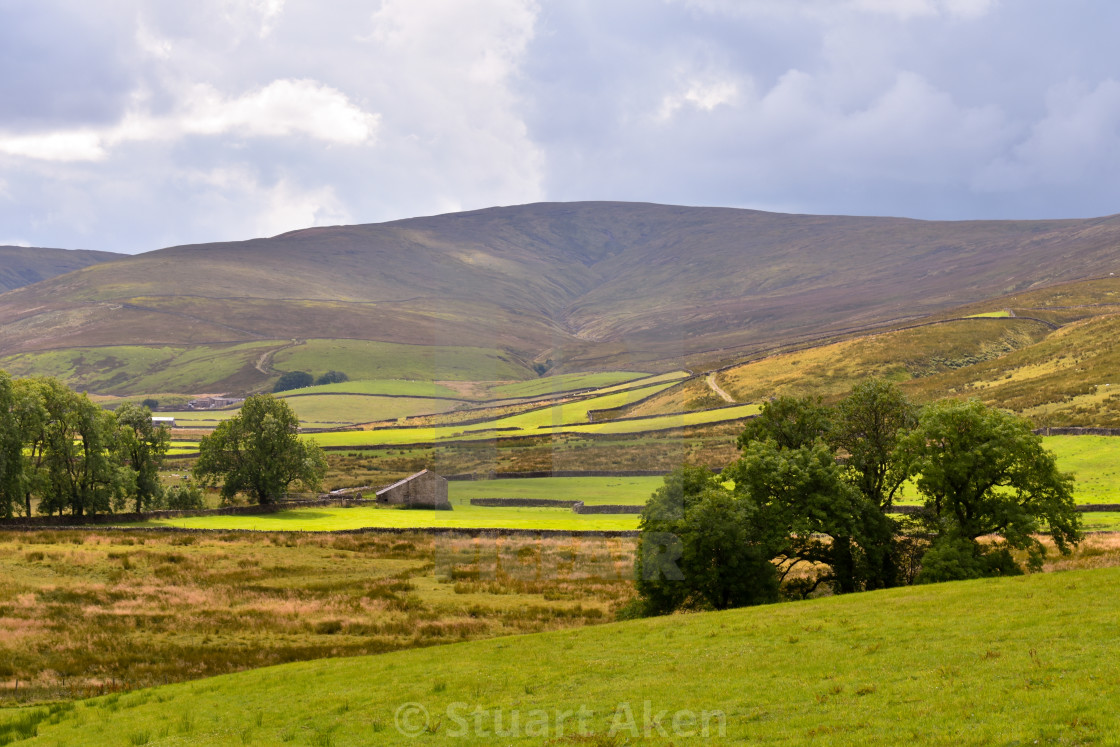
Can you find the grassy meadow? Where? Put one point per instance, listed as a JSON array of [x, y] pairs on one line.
[[329, 519], [364, 359], [973, 662], [590, 490]]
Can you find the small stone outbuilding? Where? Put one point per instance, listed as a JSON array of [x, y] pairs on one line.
[[423, 490]]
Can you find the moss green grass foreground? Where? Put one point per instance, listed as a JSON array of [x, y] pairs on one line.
[[1008, 661]]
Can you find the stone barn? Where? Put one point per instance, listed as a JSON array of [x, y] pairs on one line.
[[423, 490]]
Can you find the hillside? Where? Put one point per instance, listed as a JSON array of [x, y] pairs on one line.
[[1049, 355], [590, 286], [1000, 661], [25, 265]]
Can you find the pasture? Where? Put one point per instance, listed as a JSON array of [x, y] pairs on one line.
[[365, 517], [364, 359], [974, 662], [590, 490]]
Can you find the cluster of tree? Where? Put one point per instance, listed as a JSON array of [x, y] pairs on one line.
[[299, 379], [259, 453], [60, 452], [809, 503]]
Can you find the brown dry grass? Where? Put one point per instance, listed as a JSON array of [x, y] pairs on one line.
[[91, 612]]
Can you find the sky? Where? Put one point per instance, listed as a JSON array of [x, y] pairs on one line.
[[130, 125]]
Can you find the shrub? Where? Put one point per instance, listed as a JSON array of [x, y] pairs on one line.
[[185, 498], [331, 377], [293, 380]]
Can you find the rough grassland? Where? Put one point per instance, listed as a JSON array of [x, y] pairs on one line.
[[100, 611], [831, 371], [462, 517], [1004, 661], [363, 359]]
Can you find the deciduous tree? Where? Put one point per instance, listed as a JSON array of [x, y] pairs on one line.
[[983, 472], [142, 446], [259, 452]]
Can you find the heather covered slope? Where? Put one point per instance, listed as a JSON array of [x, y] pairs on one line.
[[592, 286], [25, 265]]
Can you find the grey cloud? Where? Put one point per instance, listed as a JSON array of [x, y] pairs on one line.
[[926, 108]]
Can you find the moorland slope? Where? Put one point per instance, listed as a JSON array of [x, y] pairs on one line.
[[25, 265], [587, 285]]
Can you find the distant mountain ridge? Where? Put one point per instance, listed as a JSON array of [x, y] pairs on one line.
[[26, 265], [586, 284]]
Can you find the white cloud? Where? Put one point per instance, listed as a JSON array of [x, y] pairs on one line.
[[282, 108], [700, 94], [73, 145], [237, 193], [151, 43]]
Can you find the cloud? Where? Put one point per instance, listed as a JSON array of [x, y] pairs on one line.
[[137, 124], [283, 107], [74, 145], [833, 9], [699, 94]]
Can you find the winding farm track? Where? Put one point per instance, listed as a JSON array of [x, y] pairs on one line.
[[717, 389], [264, 363]]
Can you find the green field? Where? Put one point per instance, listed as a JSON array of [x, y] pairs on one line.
[[362, 408], [363, 359], [990, 315], [462, 517], [1027, 660], [127, 369], [1095, 463], [590, 490], [400, 387], [562, 383]]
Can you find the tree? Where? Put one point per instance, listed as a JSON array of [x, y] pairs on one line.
[[791, 422], [11, 449], [866, 429], [698, 548], [293, 380], [259, 452], [142, 446], [983, 472], [79, 471], [811, 515], [332, 377]]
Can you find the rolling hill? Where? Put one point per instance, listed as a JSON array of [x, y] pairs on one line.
[[998, 661], [25, 265], [589, 286]]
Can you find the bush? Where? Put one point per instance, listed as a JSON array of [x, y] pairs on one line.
[[184, 497], [150, 403], [959, 558], [293, 380], [332, 377]]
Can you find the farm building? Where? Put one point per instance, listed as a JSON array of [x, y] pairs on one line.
[[423, 490], [158, 421]]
